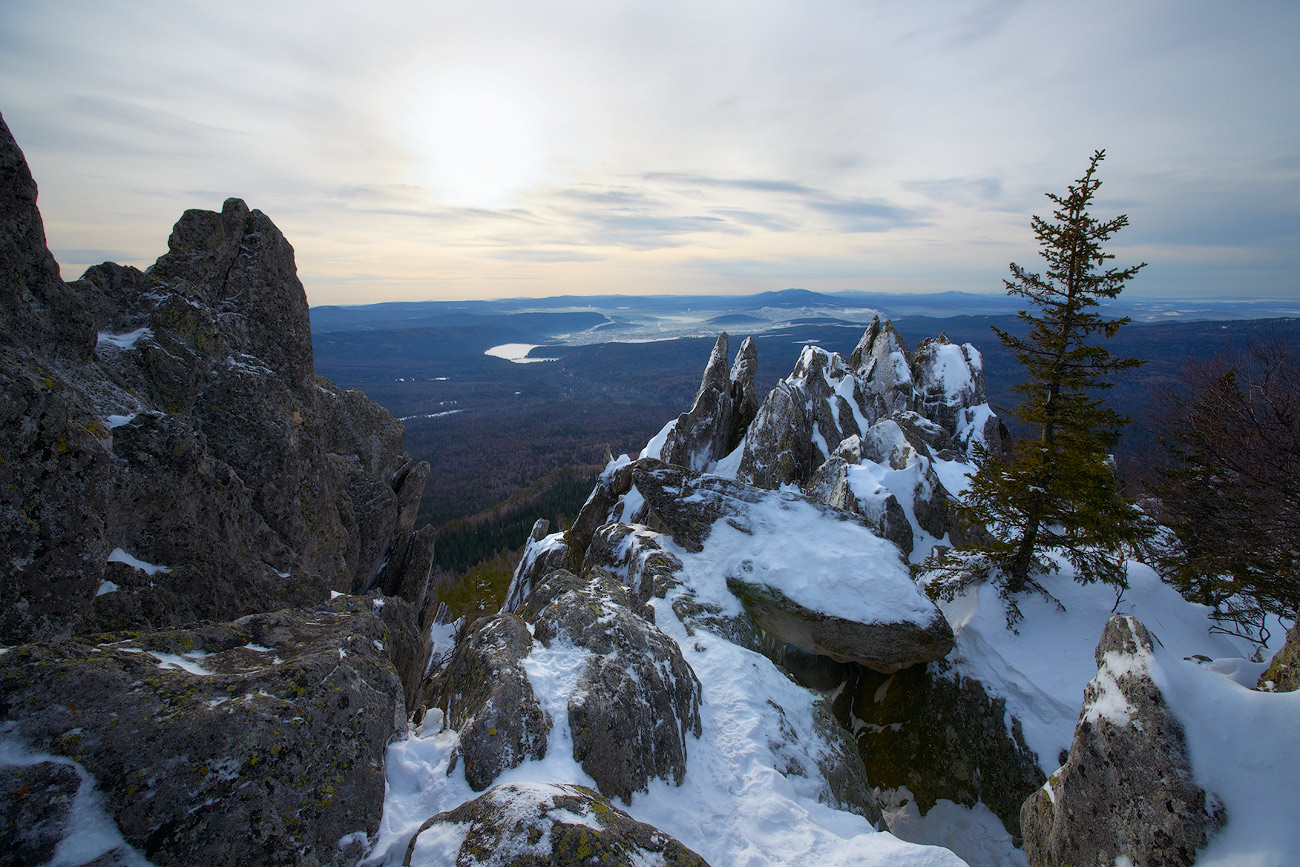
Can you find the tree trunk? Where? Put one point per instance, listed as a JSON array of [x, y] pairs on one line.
[[1024, 555]]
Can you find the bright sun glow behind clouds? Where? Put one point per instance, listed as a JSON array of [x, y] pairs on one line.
[[476, 140], [576, 146]]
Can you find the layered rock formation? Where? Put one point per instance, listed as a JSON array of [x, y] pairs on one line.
[[168, 457]]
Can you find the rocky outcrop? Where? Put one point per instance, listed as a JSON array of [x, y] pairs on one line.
[[1127, 789], [484, 693], [703, 434], [637, 700], [171, 469], [527, 825], [173, 417], [881, 360], [1283, 673], [259, 741], [949, 378]]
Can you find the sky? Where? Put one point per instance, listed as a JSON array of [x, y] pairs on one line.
[[513, 148]]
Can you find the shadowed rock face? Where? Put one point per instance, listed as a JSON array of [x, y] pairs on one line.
[[544, 825], [1127, 788], [259, 741], [173, 417]]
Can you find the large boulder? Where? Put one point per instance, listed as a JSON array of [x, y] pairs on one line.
[[485, 695], [258, 741], [882, 646], [1127, 790], [896, 624], [637, 700], [543, 825], [802, 420]]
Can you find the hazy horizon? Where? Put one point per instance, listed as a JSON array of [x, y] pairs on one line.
[[451, 152]]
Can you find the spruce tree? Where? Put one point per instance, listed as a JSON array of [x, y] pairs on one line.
[[1057, 491]]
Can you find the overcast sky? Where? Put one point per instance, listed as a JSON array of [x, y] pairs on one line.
[[508, 148]]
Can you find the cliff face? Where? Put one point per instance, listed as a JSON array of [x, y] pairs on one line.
[[168, 461], [172, 418]]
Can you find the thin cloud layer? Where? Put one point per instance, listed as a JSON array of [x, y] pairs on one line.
[[478, 150]]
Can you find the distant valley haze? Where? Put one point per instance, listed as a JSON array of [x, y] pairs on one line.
[[444, 151]]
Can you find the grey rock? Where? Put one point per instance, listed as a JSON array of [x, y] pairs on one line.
[[35, 810], [778, 446], [192, 434], [881, 360], [547, 825], [703, 434], [259, 741], [744, 391], [689, 504], [541, 557], [884, 647], [636, 558], [637, 700], [739, 629], [1127, 787], [802, 420], [55, 472], [485, 695], [830, 485], [37, 309]]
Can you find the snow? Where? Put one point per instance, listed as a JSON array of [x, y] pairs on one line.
[[91, 832], [106, 586], [117, 555], [973, 833], [948, 366], [655, 448], [516, 352], [118, 420], [185, 662], [804, 551], [1245, 749], [122, 341], [1042, 670]]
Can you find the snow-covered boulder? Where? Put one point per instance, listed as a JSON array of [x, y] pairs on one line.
[[1127, 790], [485, 695], [526, 825], [259, 741], [813, 576]]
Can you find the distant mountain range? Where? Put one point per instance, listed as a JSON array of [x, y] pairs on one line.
[[576, 320]]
